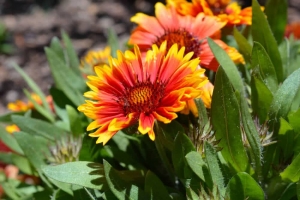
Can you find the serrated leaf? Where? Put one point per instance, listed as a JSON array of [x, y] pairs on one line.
[[261, 61], [228, 66], [292, 172], [276, 11], [243, 186], [226, 122], [244, 46], [38, 127], [155, 187], [65, 79], [262, 33], [214, 167], [10, 141], [284, 96], [252, 135], [86, 174]]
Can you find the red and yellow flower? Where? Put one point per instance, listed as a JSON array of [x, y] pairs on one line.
[[12, 128], [133, 89], [293, 28], [230, 13], [94, 58], [186, 31]]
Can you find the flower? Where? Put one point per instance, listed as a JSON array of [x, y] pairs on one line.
[[230, 13], [134, 90], [21, 106], [293, 28], [94, 58], [187, 31], [12, 128]]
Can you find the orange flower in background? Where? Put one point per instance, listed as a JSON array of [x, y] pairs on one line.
[[230, 13], [21, 106], [186, 31], [133, 90], [293, 28], [12, 128], [93, 59]]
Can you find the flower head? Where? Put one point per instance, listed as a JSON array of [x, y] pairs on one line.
[[133, 90], [93, 59], [230, 13], [186, 31]]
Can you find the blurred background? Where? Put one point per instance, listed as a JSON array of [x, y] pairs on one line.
[[27, 26]]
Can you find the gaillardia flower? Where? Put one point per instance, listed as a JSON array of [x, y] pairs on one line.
[[230, 13], [133, 89], [93, 59], [187, 31]]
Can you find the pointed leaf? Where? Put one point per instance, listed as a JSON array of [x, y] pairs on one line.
[[226, 122], [244, 46], [261, 61], [228, 66], [276, 11], [10, 141], [262, 33], [285, 95]]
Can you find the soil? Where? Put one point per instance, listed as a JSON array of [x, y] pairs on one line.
[[32, 24]]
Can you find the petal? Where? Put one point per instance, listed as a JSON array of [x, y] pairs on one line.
[[146, 123]]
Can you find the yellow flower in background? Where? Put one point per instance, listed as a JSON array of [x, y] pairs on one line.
[[230, 13], [186, 31], [133, 90], [94, 58], [12, 128]]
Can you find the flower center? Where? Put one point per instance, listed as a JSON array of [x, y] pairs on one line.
[[184, 39], [143, 97]]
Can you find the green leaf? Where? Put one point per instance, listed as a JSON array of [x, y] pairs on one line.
[[113, 42], [38, 127], [86, 174], [214, 167], [298, 189], [202, 113], [244, 46], [226, 122], [22, 163], [252, 135], [276, 11], [294, 120], [121, 188], [262, 33], [243, 186], [228, 66], [6, 118], [261, 98], [45, 113], [35, 88], [65, 79], [155, 187], [183, 146], [196, 163], [74, 121], [286, 139], [284, 96], [10, 141], [292, 172], [57, 48], [73, 60], [36, 153], [261, 61]]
